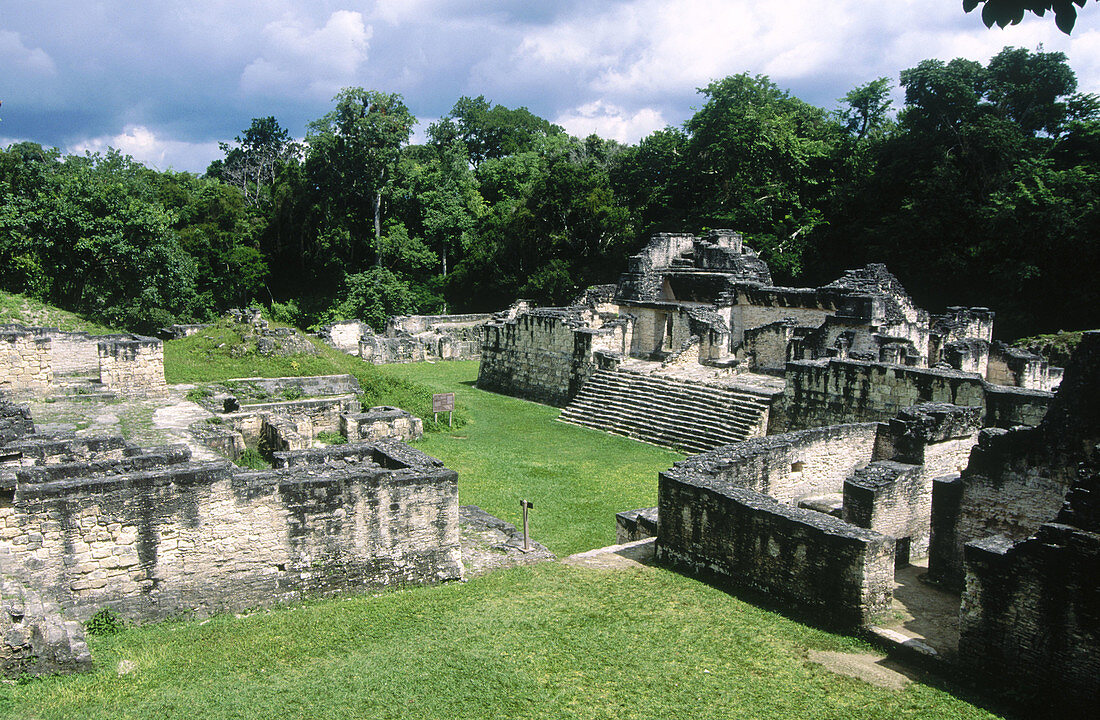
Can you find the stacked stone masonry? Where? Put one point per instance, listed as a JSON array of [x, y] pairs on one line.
[[32, 359], [152, 534], [410, 338], [743, 511]]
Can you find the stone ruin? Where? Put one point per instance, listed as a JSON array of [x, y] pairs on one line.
[[695, 348], [88, 523], [410, 338], [821, 519], [48, 361], [844, 433], [290, 413]]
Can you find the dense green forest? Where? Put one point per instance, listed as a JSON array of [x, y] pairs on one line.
[[980, 190]]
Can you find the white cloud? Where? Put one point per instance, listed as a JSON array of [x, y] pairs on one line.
[[611, 122], [299, 57], [148, 148], [656, 47], [15, 56]]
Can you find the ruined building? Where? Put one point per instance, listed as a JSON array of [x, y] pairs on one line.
[[87, 523], [46, 361], [844, 433], [696, 348], [410, 338]]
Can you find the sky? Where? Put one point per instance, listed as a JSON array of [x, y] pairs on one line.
[[165, 81]]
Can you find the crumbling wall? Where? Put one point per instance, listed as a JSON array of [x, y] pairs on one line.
[[891, 498], [26, 362], [309, 417], [75, 352], [827, 392], [765, 347], [1017, 480], [548, 353], [309, 385], [381, 422], [133, 367], [153, 537], [790, 466], [345, 335], [810, 561], [1019, 368], [1030, 616]]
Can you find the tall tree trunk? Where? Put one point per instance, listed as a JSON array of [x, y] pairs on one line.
[[378, 228]]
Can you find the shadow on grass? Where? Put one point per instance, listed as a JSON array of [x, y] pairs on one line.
[[979, 692]]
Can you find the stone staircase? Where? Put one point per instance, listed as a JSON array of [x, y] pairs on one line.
[[34, 637], [673, 413]]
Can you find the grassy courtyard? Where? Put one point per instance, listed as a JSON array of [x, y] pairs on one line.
[[552, 641]]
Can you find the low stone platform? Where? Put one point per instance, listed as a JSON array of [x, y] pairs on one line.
[[489, 543]]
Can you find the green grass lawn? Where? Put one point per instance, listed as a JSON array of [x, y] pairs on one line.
[[551, 641], [511, 450], [547, 642]]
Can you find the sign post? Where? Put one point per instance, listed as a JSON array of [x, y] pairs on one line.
[[444, 402], [525, 506]]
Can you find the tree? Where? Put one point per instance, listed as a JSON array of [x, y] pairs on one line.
[[253, 164], [867, 114], [761, 161], [490, 131], [353, 150], [1010, 12]]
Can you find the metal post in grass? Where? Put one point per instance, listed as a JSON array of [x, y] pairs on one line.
[[526, 541]]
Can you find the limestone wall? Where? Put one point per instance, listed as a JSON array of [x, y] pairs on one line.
[[891, 498], [309, 417], [834, 391], [765, 347], [1031, 615], [345, 335], [381, 422], [828, 392], [996, 496], [547, 354], [205, 537], [75, 352], [26, 362], [809, 561], [309, 386], [133, 367], [790, 466], [414, 324]]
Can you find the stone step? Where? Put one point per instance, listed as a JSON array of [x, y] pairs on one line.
[[680, 390], [656, 415], [720, 417], [665, 411], [691, 444], [722, 407], [668, 423]]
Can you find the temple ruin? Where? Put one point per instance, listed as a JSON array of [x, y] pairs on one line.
[[87, 523], [695, 348], [410, 338], [843, 433]]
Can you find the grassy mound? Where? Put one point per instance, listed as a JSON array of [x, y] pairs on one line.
[[229, 350], [22, 310]]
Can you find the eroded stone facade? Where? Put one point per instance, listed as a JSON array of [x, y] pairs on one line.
[[152, 533]]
